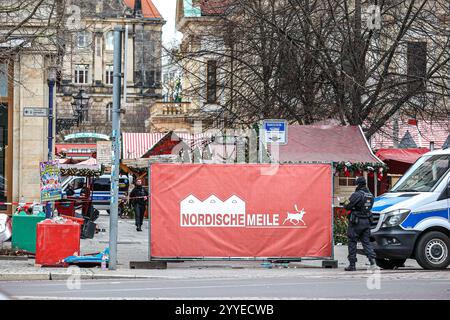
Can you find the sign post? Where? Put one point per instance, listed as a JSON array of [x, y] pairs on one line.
[[35, 112], [117, 86], [104, 153], [50, 178], [275, 131]]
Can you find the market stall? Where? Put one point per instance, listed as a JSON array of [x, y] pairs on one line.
[[345, 146], [399, 161], [70, 203]]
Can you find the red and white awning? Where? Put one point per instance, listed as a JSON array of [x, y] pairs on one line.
[[135, 145]]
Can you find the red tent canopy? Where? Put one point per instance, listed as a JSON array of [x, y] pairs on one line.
[[89, 162], [401, 155], [326, 143]]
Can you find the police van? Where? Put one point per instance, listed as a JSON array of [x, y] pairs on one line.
[[101, 189], [412, 219]]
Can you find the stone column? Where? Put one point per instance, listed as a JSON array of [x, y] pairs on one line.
[[30, 133], [97, 68]]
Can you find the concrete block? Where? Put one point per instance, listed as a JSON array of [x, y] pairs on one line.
[[330, 264], [148, 264]]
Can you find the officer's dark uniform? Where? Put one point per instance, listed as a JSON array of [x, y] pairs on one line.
[[139, 204], [360, 204]]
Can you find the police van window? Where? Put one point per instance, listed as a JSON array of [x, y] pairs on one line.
[[102, 184], [425, 175], [123, 185], [78, 183]]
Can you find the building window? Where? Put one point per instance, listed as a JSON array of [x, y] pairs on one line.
[[82, 40], [109, 74], [81, 73], [3, 79], [109, 40], [109, 112], [417, 66], [85, 115], [211, 82], [347, 181]]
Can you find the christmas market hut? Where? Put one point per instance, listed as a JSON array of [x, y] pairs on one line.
[[399, 161], [345, 146]]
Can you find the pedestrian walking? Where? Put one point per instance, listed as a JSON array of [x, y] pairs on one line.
[[138, 198], [360, 205]]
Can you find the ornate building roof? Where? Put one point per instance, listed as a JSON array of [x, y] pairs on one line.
[[148, 8]]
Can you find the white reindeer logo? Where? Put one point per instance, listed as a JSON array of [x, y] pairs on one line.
[[295, 218]]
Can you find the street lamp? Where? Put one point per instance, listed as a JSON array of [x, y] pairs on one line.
[[80, 104], [51, 80]]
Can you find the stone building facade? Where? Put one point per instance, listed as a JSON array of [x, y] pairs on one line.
[[88, 65], [24, 65], [186, 79]]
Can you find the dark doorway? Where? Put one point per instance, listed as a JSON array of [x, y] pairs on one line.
[[3, 146]]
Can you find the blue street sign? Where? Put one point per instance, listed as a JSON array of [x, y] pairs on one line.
[[275, 131]]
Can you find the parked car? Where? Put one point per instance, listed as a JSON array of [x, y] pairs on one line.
[[101, 195], [3, 186], [5, 228], [412, 220]]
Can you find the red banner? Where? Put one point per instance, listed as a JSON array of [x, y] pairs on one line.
[[241, 210]]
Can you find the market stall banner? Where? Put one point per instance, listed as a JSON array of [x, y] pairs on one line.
[[214, 211], [50, 181]]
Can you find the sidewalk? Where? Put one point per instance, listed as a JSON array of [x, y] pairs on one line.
[[133, 246]]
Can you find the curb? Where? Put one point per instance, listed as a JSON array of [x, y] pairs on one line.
[[24, 276], [14, 258], [63, 276]]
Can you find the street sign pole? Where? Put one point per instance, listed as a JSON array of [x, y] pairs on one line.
[[113, 218], [51, 85], [261, 130]]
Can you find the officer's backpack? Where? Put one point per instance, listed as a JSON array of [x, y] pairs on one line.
[[366, 203]]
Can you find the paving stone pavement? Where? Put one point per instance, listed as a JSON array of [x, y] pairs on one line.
[[133, 246]]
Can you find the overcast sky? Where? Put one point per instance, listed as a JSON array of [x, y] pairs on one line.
[[167, 8]]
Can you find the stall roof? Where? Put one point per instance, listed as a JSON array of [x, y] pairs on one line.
[[89, 162], [421, 133], [401, 155], [326, 143], [136, 145]]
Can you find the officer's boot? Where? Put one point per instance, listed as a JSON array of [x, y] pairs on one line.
[[372, 262], [351, 267]]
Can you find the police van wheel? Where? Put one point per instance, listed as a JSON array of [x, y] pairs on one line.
[[432, 251], [390, 264]]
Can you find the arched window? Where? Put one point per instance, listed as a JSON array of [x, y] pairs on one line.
[[109, 112], [109, 40], [82, 39]]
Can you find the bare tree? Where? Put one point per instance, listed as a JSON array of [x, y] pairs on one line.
[[309, 60]]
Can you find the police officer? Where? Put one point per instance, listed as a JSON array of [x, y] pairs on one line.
[[360, 204], [139, 196]]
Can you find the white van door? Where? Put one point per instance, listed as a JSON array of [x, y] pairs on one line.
[[77, 183]]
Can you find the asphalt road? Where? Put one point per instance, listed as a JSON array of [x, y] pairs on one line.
[[363, 287]]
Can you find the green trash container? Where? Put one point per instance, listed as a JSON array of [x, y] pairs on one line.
[[24, 231]]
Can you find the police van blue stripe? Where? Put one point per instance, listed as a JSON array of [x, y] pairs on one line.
[[414, 218], [382, 203]]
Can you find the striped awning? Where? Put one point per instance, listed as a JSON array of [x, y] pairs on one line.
[[135, 145]]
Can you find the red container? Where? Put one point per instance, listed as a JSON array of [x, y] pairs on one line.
[[65, 207], [56, 241], [80, 221]]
